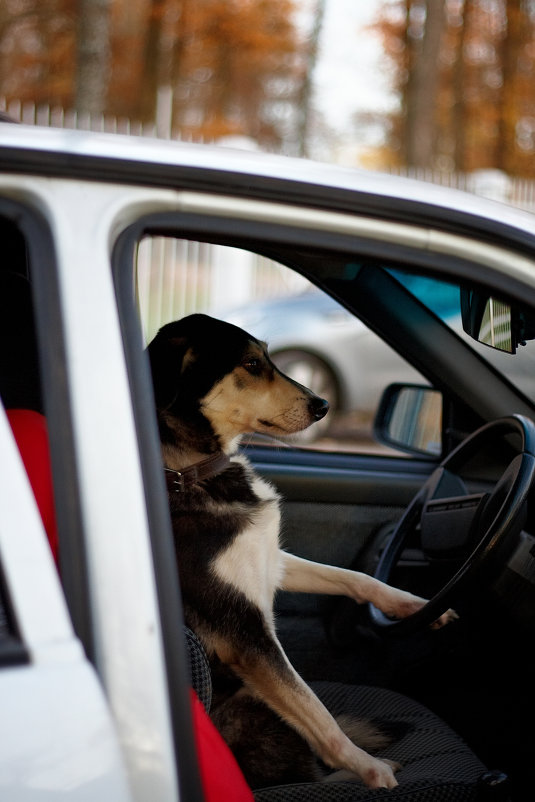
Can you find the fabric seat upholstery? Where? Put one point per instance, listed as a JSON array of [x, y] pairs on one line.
[[437, 765]]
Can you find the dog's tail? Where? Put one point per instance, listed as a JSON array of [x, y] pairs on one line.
[[363, 733], [369, 735], [372, 736]]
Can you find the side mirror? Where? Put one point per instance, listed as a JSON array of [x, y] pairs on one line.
[[409, 419]]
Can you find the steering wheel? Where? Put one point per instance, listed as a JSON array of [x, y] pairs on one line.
[[471, 529]]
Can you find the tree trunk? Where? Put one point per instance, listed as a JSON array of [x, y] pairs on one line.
[[423, 87], [93, 55], [304, 99], [152, 62], [508, 112], [459, 114]]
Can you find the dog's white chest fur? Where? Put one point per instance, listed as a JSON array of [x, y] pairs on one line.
[[252, 563]]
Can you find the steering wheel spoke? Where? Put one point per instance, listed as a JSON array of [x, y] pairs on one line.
[[462, 535]]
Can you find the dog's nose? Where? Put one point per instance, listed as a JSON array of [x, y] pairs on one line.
[[318, 407]]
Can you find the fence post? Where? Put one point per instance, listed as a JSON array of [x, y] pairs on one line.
[[164, 112], [231, 279]]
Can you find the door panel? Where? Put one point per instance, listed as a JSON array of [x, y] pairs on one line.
[[340, 516]]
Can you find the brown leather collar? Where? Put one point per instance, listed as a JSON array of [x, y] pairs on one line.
[[178, 481]]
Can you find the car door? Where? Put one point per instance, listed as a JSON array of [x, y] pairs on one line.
[[57, 738], [339, 505]]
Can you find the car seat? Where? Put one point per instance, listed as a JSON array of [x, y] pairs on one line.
[[437, 765]]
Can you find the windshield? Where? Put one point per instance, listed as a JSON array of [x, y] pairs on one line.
[[443, 299]]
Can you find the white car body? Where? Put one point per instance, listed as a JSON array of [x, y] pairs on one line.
[[88, 728]]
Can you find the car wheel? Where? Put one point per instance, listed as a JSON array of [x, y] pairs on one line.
[[314, 373]]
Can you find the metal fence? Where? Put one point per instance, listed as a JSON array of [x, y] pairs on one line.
[[57, 117], [176, 277], [493, 184]]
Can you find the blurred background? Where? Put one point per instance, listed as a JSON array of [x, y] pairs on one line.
[[440, 90], [444, 85]]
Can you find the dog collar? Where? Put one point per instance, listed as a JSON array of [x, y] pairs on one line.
[[178, 481]]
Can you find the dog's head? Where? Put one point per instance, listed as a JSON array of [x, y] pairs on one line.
[[205, 366]]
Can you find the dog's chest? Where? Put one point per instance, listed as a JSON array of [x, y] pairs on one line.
[[251, 563]]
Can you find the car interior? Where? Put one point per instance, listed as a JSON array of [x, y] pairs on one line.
[[343, 509], [473, 678]]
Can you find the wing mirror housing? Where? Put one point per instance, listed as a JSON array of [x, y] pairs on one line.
[[409, 419]]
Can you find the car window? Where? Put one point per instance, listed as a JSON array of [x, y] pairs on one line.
[[22, 406], [311, 337], [33, 393]]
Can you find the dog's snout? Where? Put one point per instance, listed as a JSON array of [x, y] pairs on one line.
[[318, 407]]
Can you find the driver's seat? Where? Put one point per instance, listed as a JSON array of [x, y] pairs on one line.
[[438, 766]]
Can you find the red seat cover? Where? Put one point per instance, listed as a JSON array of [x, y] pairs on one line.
[[31, 435], [221, 776]]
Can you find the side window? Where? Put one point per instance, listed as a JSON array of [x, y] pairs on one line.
[[310, 336], [20, 380], [20, 393]]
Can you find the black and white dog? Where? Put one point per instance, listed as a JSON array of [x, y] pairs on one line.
[[213, 382]]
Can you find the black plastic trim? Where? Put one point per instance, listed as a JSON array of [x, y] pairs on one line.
[[13, 652]]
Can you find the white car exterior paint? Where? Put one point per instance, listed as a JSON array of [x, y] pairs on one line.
[[128, 657], [123, 727], [157, 152], [56, 735]]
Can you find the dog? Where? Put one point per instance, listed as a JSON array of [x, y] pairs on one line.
[[213, 383]]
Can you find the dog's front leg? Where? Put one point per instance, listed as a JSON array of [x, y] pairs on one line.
[[272, 678], [306, 576]]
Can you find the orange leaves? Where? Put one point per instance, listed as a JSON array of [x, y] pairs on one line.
[[484, 107], [230, 63]]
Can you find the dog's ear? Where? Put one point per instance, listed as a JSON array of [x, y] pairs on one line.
[[169, 357]]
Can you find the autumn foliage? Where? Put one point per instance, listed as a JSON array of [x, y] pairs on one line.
[[233, 66], [463, 71], [467, 101]]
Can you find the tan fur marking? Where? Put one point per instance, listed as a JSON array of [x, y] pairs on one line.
[[261, 405], [289, 696]]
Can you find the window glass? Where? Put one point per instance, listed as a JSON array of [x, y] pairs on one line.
[[20, 391], [444, 300], [310, 336]]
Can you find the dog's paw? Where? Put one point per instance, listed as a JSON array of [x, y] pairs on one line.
[[446, 618], [381, 774], [400, 604], [396, 603]]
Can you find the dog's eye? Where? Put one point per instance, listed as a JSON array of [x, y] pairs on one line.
[[253, 365]]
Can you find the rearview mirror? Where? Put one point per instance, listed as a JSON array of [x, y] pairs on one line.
[[488, 320], [495, 322], [409, 419]]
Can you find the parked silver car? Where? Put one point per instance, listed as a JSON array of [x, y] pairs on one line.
[[318, 342]]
